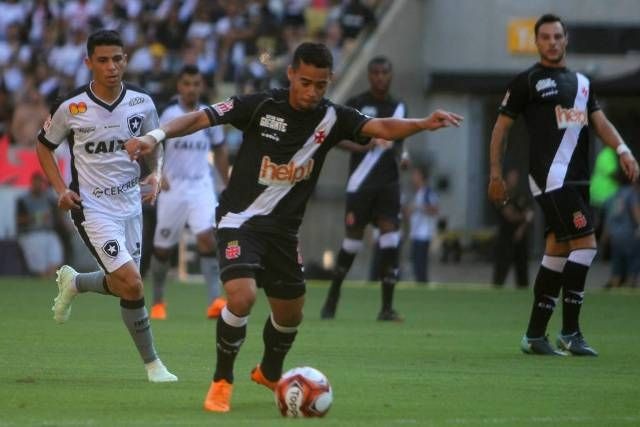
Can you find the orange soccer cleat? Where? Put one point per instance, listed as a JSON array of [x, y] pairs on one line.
[[215, 308], [159, 311], [258, 377], [219, 396]]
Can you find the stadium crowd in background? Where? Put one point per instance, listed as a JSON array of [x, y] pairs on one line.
[[239, 44]]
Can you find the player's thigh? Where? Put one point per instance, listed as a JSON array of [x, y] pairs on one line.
[[126, 281], [106, 239], [240, 253], [171, 218], [567, 213], [283, 276], [358, 211], [386, 208]]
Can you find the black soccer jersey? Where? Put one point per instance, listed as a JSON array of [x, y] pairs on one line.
[[556, 104], [378, 166], [280, 158]]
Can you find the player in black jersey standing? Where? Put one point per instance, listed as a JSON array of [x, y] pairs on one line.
[[286, 136], [373, 194], [558, 105]]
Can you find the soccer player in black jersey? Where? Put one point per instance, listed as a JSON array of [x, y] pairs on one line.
[[373, 194], [558, 105], [286, 136]]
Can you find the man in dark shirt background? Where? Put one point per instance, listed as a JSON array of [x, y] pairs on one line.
[[373, 194]]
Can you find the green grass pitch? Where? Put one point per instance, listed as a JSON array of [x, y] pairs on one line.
[[455, 361]]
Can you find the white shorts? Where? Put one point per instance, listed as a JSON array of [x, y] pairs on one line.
[[41, 249], [186, 202], [112, 241]]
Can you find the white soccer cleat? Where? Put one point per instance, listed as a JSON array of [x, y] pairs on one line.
[[65, 277], [158, 373]]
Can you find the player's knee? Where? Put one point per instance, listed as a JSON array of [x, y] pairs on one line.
[[206, 243], [288, 319], [162, 254], [240, 299]]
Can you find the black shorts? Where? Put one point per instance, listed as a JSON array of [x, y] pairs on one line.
[[370, 205], [567, 213], [272, 259]]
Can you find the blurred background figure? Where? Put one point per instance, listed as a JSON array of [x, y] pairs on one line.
[[622, 231], [512, 239], [423, 213], [37, 218]]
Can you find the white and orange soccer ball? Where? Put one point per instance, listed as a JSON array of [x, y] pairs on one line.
[[303, 392]]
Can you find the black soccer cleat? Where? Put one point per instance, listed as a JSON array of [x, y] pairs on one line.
[[390, 316], [539, 346], [575, 344], [328, 311]]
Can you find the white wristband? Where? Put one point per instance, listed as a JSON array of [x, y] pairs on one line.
[[622, 148], [158, 134]]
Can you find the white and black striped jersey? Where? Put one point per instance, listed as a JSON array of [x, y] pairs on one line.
[[282, 152], [186, 157], [378, 166], [556, 104], [101, 171]]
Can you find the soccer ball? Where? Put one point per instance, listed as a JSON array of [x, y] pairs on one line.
[[303, 392]]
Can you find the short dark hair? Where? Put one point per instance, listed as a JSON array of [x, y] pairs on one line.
[[379, 60], [316, 54], [103, 38], [190, 69], [548, 18]]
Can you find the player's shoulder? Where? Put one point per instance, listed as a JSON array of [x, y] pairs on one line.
[[136, 95], [76, 95], [358, 100], [172, 107]]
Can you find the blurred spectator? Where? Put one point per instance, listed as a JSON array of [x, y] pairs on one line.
[[13, 12], [423, 211], [236, 37], [622, 229], [512, 243], [78, 13], [41, 15], [37, 219], [355, 17], [14, 58], [30, 113]]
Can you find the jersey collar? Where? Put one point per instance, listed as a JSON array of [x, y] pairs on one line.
[[108, 107]]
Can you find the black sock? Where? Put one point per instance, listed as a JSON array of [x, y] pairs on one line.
[[388, 275], [276, 346], [228, 342], [345, 260], [574, 276], [545, 294]]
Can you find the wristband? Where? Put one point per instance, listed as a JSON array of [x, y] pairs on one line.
[[158, 134], [622, 148]]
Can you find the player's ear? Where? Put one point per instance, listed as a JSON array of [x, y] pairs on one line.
[[290, 72], [87, 62]]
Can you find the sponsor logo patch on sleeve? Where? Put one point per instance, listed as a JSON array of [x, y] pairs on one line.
[[223, 107]]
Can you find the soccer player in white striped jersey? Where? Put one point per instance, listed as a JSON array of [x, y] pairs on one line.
[[104, 195], [188, 195]]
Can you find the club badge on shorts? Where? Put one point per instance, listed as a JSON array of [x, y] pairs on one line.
[[233, 250], [579, 220], [111, 248]]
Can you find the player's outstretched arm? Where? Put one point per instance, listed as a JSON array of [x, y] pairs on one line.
[[392, 128], [610, 136], [183, 125], [497, 188]]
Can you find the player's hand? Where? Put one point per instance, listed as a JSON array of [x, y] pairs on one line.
[[164, 184], [382, 143], [441, 119], [498, 191], [69, 199], [139, 146], [629, 166], [149, 189]]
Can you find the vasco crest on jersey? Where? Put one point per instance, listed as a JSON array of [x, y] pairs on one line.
[[134, 123]]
